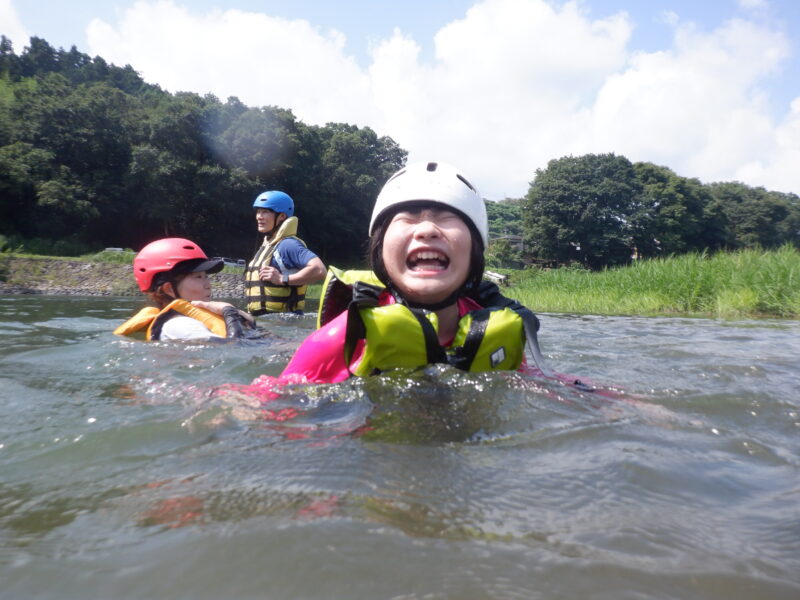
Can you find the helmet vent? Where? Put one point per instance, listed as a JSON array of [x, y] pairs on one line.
[[432, 166], [467, 183]]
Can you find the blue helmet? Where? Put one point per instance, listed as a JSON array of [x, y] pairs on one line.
[[280, 202]]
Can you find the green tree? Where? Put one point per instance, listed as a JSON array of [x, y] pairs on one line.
[[91, 152], [263, 141], [757, 217], [502, 253], [64, 206], [38, 58], [675, 215], [505, 217], [176, 125], [9, 62], [22, 168], [580, 210], [338, 196]]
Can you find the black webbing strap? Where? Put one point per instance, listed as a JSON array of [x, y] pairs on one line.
[[434, 352], [488, 294], [364, 295], [158, 324], [463, 357], [294, 298]]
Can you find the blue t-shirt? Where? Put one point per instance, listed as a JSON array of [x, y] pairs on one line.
[[294, 255]]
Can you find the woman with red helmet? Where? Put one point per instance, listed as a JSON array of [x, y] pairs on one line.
[[174, 273]]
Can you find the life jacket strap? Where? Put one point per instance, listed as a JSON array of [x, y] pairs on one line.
[[488, 294], [462, 357], [363, 295], [434, 352]]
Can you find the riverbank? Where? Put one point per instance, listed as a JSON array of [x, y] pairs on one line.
[[729, 285], [54, 276], [743, 284]]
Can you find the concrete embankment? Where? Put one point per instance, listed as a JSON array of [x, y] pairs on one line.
[[78, 278]]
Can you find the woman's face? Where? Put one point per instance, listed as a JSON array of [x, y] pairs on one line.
[[195, 286], [426, 253]]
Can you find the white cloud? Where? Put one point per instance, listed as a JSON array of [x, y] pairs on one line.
[[505, 91], [260, 59], [696, 108], [753, 4], [669, 17], [11, 26], [513, 84], [777, 168]]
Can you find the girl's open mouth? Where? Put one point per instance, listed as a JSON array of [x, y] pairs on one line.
[[427, 260]]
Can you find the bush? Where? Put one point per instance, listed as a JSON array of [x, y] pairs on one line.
[[70, 246]]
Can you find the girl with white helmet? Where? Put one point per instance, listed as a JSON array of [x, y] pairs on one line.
[[173, 272], [424, 301]]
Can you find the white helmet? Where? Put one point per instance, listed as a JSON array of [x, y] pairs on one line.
[[434, 182]]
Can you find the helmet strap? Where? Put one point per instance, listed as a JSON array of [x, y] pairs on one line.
[[277, 225]]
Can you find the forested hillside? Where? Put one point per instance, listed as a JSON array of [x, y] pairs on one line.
[[92, 156]]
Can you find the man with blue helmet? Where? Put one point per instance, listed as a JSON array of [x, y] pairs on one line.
[[277, 277]]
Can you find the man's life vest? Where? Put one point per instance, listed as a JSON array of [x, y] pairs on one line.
[[490, 338], [153, 319], [262, 298]]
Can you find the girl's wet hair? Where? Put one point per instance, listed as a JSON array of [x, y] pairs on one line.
[[477, 261]]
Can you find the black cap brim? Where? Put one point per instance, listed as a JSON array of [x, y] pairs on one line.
[[213, 265]]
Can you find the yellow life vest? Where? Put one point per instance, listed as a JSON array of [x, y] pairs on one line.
[[261, 298], [337, 291], [491, 338], [153, 319], [487, 339]]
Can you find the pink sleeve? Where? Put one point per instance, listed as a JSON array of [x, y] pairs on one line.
[[320, 358]]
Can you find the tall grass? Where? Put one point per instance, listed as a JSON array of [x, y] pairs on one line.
[[738, 284]]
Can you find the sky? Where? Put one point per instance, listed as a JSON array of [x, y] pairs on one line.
[[498, 88]]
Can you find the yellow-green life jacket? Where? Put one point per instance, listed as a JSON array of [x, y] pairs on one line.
[[487, 339], [490, 338], [337, 291], [263, 298]]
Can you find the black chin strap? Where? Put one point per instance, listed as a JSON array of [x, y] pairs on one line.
[[449, 301]]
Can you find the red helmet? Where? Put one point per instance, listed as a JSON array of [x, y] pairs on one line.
[[162, 256]]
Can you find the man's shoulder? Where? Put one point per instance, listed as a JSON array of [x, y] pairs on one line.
[[291, 241], [296, 247]]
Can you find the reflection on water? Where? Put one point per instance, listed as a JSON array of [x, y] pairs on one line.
[[138, 470]]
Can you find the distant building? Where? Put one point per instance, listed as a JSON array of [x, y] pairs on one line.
[[515, 241]]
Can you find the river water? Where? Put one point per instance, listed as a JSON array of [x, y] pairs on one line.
[[132, 470]]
